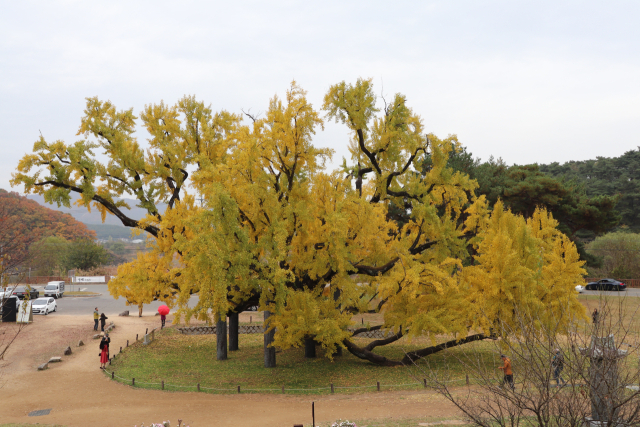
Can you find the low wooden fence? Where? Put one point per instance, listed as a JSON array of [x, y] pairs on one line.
[[148, 337]]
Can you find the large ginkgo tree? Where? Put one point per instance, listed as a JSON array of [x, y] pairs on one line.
[[313, 247]]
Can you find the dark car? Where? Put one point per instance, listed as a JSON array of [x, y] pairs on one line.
[[606, 285], [21, 292]]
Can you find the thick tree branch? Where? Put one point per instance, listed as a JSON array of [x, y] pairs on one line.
[[364, 149], [365, 354], [126, 221], [412, 356], [374, 271]]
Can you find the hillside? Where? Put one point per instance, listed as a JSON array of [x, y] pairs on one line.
[[39, 221], [607, 176], [104, 231], [83, 215]]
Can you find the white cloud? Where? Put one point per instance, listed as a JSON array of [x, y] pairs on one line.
[[527, 81]]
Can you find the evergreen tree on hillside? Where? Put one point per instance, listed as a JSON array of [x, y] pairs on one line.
[[604, 176], [524, 188]]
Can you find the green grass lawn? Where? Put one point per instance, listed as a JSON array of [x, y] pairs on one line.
[[186, 360], [183, 361]]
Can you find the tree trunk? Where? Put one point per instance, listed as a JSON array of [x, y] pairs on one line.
[[336, 296], [309, 347], [269, 350], [140, 310], [233, 331], [221, 338]]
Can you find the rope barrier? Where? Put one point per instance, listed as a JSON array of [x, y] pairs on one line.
[[281, 389], [259, 390]]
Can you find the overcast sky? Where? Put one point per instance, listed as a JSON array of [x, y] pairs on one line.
[[534, 81]]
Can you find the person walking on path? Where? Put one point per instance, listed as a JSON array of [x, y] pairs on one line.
[[96, 317], [508, 373], [103, 321], [558, 364], [162, 319], [104, 351]]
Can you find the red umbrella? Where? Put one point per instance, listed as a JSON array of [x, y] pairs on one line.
[[163, 309]]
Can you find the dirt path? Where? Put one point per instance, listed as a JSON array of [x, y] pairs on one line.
[[79, 393]]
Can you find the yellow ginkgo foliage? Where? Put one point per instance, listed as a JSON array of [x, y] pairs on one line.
[[383, 235], [393, 231]]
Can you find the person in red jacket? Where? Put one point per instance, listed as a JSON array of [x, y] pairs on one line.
[[104, 351]]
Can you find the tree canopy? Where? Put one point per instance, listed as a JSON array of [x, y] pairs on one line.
[[312, 246], [620, 253], [617, 177]]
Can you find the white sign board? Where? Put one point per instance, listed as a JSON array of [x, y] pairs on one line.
[[25, 315], [90, 279]]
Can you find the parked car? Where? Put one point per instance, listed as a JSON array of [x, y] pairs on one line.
[[580, 289], [21, 292], [54, 289], [606, 285], [44, 306]]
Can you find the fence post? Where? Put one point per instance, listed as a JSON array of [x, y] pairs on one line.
[[127, 343], [282, 389], [133, 381], [378, 385], [147, 331], [467, 379], [136, 337], [163, 384], [424, 381], [238, 389], [112, 374], [120, 349], [331, 388], [198, 386]]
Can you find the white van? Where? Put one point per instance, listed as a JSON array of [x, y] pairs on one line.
[[54, 289]]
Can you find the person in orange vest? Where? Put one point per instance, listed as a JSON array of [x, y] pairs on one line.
[[508, 373]]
